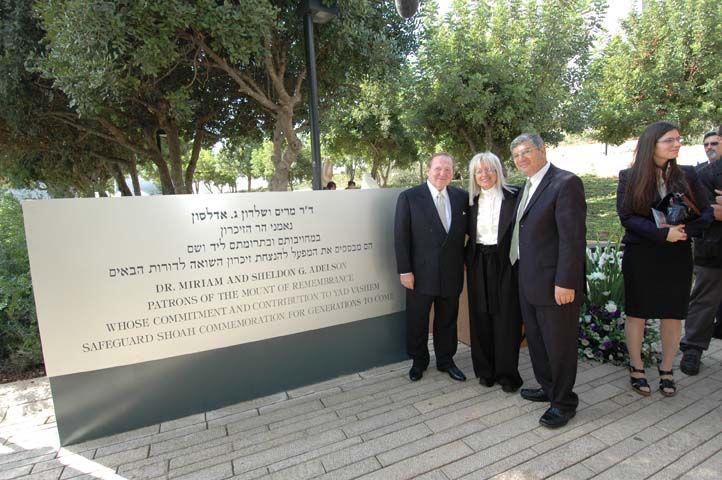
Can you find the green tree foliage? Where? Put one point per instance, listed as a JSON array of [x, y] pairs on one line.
[[369, 124], [490, 70], [130, 74], [365, 40], [667, 63], [19, 340]]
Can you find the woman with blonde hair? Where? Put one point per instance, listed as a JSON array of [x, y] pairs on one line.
[[492, 285]]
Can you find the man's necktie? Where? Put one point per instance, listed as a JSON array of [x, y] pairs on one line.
[[441, 208], [514, 250]]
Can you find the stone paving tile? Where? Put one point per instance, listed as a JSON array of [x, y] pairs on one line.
[[53, 474], [690, 459], [616, 453], [413, 448], [555, 460], [501, 466], [194, 438], [576, 472], [245, 406], [150, 470], [362, 390], [489, 456], [217, 472], [352, 471], [267, 457], [314, 454], [318, 387], [412, 467], [183, 422], [15, 472], [653, 458], [273, 417], [371, 423], [708, 470], [299, 472], [433, 475], [292, 402], [158, 439], [351, 455]]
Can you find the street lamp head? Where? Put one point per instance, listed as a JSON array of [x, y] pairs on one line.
[[320, 13]]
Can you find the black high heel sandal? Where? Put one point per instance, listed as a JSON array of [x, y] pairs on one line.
[[639, 383], [666, 385]]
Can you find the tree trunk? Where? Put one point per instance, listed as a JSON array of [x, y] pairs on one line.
[[134, 175], [195, 153], [120, 181], [174, 157], [385, 175], [249, 183], [284, 159], [166, 182]]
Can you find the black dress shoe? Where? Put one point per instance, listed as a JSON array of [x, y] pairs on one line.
[[486, 382], [454, 373], [509, 388], [555, 418], [415, 374], [534, 395]]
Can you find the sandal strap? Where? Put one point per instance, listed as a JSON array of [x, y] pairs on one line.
[[665, 372], [636, 370], [667, 384], [638, 382]]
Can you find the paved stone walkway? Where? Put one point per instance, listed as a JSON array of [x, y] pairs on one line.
[[378, 425]]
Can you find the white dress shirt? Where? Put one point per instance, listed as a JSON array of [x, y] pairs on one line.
[[487, 218], [534, 181]]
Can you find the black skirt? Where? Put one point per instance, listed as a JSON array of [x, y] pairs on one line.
[[657, 280]]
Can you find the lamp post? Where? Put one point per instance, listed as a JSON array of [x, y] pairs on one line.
[[314, 11]]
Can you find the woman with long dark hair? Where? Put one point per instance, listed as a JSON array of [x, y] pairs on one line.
[[657, 261], [494, 314]]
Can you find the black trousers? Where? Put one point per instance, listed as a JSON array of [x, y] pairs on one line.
[[551, 333], [446, 310], [494, 326]]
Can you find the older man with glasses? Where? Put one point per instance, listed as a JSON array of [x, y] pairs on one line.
[[712, 148]]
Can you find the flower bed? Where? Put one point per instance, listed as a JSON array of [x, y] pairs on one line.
[[601, 322]]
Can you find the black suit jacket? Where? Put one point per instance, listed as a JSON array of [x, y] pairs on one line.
[[506, 224], [552, 238], [422, 245], [643, 230]]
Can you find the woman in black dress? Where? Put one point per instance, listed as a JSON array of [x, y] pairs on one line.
[[657, 261], [494, 315]]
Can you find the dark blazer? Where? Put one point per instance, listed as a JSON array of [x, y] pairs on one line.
[[642, 230], [422, 245], [708, 248], [552, 238]]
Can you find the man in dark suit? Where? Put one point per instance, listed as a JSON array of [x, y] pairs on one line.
[[548, 247], [429, 233]]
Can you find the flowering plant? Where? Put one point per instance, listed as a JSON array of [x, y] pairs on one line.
[[601, 322]]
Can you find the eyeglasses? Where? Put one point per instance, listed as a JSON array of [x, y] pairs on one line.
[[485, 171], [710, 144], [670, 140], [523, 153]]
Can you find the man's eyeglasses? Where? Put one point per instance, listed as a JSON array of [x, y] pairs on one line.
[[710, 144], [670, 140], [523, 153]]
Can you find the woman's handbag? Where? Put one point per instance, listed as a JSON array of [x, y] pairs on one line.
[[679, 208]]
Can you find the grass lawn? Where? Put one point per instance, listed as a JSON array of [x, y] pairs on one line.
[[602, 220]]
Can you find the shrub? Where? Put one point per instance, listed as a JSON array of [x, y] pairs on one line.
[[19, 339], [601, 323]]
